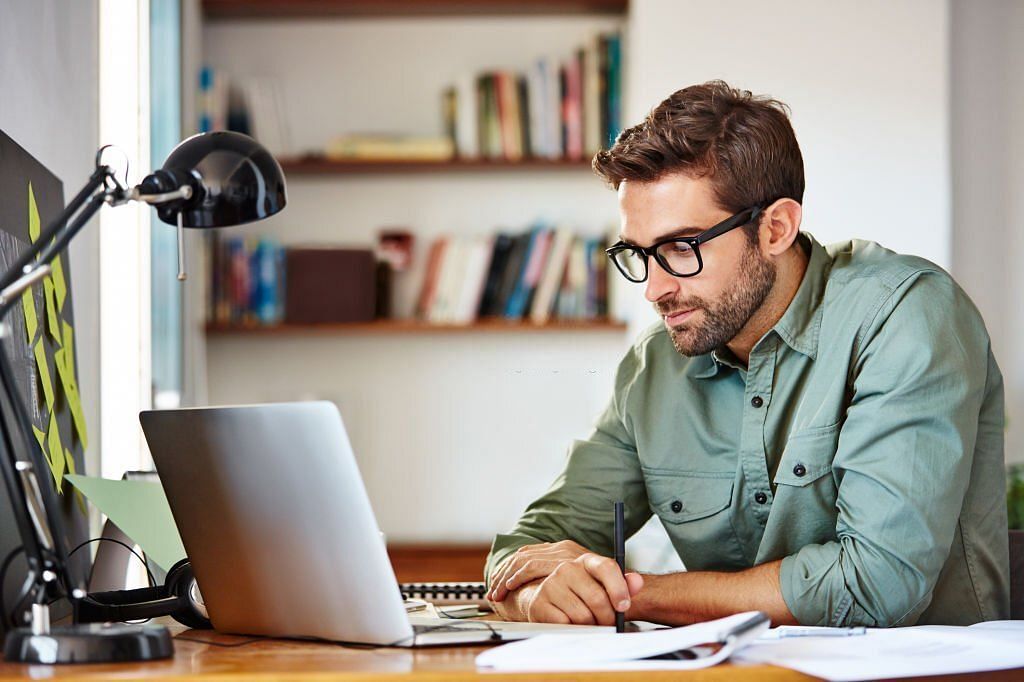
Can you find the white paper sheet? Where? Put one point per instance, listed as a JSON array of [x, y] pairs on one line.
[[594, 652], [897, 652]]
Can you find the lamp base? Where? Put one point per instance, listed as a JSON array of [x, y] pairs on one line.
[[89, 643]]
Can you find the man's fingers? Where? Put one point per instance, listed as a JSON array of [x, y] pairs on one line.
[[560, 594], [592, 594], [607, 572], [543, 611], [530, 571], [635, 581]]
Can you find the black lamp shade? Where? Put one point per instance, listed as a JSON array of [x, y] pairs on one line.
[[235, 180]]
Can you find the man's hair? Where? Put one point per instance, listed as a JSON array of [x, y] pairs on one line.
[[743, 143]]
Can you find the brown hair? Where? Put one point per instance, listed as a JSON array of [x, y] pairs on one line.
[[742, 142]]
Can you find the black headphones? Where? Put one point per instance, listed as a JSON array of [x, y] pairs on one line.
[[179, 598]]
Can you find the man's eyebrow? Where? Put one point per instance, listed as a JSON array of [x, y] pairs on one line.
[[687, 231]]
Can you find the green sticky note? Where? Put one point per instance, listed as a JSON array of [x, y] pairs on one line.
[[44, 373], [67, 380], [53, 322], [140, 509], [33, 215], [60, 287], [56, 458], [28, 305]]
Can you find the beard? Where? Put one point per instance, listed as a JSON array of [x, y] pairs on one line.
[[725, 317]]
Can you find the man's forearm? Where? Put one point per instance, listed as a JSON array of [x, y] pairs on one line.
[[691, 597]]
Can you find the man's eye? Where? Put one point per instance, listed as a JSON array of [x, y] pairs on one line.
[[679, 248]]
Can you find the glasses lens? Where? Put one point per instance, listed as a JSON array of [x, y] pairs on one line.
[[680, 257], [633, 264]]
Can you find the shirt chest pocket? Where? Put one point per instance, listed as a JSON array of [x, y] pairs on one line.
[[805, 491], [807, 457], [694, 509], [682, 496]]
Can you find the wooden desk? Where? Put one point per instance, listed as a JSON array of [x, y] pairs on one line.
[[247, 658]]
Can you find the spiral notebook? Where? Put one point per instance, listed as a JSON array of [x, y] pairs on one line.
[[446, 593]]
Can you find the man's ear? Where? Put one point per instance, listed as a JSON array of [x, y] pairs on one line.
[[780, 225]]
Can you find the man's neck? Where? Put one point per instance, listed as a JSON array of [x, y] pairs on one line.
[[791, 269]]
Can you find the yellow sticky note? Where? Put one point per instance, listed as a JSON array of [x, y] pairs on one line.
[[44, 373], [60, 287], [56, 459], [28, 304], [69, 460], [67, 378], [33, 215], [53, 322], [41, 437], [69, 347]]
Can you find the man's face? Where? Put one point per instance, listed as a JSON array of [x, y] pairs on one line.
[[706, 311]]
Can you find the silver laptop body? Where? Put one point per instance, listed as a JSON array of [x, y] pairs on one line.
[[279, 529]]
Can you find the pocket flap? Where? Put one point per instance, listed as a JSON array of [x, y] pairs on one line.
[[680, 496], [808, 456]]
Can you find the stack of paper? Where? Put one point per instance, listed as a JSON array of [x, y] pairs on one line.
[[897, 652], [626, 651]]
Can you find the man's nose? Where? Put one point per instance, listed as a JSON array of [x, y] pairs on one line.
[[659, 282]]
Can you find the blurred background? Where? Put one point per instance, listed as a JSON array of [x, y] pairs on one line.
[[438, 272]]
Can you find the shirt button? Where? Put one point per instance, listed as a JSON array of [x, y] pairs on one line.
[[677, 506], [760, 498], [756, 401], [799, 470]]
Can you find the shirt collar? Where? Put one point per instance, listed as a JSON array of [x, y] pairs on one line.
[[800, 324]]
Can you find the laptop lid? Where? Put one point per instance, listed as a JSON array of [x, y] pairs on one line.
[[276, 521]]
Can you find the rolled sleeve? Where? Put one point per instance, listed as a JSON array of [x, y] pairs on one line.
[[600, 470], [902, 464]]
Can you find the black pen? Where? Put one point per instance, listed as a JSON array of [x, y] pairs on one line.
[[620, 558]]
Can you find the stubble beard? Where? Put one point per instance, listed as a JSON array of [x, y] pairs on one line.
[[724, 318]]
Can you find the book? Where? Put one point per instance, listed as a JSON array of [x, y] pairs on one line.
[[547, 289], [518, 300], [466, 143], [429, 286], [477, 259], [379, 147], [499, 259]]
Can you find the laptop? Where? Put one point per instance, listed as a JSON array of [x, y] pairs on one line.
[[280, 532]]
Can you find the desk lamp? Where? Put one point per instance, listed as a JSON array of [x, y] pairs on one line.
[[209, 180]]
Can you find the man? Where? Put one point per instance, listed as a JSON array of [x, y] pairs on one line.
[[819, 429]]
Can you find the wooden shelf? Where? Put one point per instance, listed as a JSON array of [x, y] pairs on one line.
[[315, 165], [297, 9], [413, 327]]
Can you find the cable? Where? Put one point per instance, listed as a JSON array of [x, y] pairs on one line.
[[149, 573], [7, 618], [219, 644]]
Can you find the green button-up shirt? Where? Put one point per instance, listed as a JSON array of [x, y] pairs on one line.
[[862, 445]]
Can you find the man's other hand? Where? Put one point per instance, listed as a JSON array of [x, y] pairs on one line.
[[584, 591], [530, 563]]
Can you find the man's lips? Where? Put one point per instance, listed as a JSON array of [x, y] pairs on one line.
[[678, 317]]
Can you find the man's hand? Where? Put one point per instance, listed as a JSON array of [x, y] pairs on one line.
[[584, 591], [530, 563]]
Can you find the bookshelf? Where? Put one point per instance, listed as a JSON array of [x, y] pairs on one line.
[[280, 9], [415, 327], [444, 418]]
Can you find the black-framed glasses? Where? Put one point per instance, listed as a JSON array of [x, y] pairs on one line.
[[678, 256]]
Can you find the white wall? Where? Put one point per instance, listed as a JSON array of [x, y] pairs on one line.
[[48, 104], [988, 173], [441, 423], [868, 85]]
